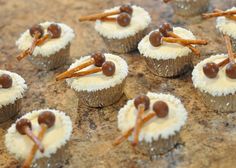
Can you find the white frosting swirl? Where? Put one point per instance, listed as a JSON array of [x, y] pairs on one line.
[[140, 20], [227, 26], [51, 46], [55, 137], [10, 95], [166, 50], [219, 86], [157, 127], [99, 81]]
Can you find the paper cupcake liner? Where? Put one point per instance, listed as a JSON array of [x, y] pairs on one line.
[[10, 110], [170, 67], [56, 160], [189, 7], [159, 147], [220, 103], [53, 61], [233, 44], [101, 98], [126, 44]]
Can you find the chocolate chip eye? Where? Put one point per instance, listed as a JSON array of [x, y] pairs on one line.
[[165, 28], [22, 124], [55, 30], [123, 19], [99, 59], [5, 81], [36, 28], [211, 69], [142, 99], [231, 70], [48, 118], [126, 8], [108, 68], [155, 38], [161, 109]]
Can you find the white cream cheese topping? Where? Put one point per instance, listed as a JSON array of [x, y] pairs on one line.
[[219, 86], [49, 47], [10, 95], [166, 50], [157, 127], [54, 138], [226, 26], [99, 81], [140, 20]]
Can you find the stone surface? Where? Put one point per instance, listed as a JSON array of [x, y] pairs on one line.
[[209, 137]]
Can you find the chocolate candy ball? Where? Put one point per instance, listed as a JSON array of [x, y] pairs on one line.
[[161, 109], [142, 99], [5, 81], [55, 30], [155, 38], [22, 124], [165, 28], [126, 8], [99, 59], [211, 69], [108, 68], [123, 19], [36, 29], [47, 117], [231, 70]]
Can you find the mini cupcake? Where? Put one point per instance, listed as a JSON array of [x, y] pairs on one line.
[[227, 26], [189, 7], [12, 89], [121, 27], [47, 45], [215, 77], [167, 59], [219, 90], [53, 128], [101, 81], [162, 118]]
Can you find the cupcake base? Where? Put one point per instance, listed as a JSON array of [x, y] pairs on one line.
[[126, 44], [170, 67], [233, 44], [159, 147], [10, 110], [189, 7], [101, 98], [53, 61], [220, 103]]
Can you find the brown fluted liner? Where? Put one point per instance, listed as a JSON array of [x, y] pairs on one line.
[[170, 67], [220, 103], [189, 7], [10, 110], [233, 43], [53, 61], [101, 98], [161, 146], [56, 160], [126, 44]]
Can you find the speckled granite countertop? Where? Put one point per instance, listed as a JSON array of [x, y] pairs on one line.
[[208, 139]]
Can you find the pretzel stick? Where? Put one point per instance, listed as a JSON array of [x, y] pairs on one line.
[[43, 39], [98, 16], [83, 73], [194, 50], [229, 48], [223, 13], [30, 50], [33, 151], [232, 17], [68, 73], [184, 41], [123, 137], [138, 124]]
